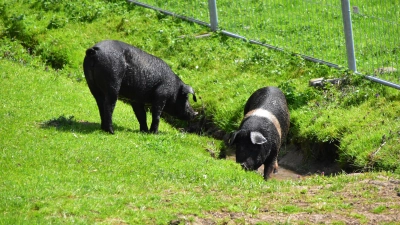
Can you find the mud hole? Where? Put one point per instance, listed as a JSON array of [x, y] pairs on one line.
[[293, 163]]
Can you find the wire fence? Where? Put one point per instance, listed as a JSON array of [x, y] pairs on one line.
[[313, 28], [292, 25]]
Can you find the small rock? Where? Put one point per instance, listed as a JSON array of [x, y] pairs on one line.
[[319, 82], [383, 70]]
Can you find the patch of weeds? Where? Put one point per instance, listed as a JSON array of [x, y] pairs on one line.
[[228, 120], [14, 51], [379, 209], [84, 11], [304, 191], [258, 57], [338, 222], [294, 97], [239, 221], [48, 5], [352, 90], [56, 60], [53, 54], [263, 223], [290, 209], [360, 217], [14, 24], [16, 28], [56, 22]]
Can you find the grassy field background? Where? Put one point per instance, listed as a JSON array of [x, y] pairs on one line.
[[313, 28], [57, 166]]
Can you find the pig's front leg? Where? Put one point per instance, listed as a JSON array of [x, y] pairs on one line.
[[270, 165], [156, 111], [140, 113]]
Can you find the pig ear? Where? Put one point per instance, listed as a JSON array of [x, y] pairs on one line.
[[186, 89], [257, 138], [232, 137]]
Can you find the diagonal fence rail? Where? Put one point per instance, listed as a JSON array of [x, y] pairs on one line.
[[317, 30]]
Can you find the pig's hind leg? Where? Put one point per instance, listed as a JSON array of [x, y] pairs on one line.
[[108, 108], [106, 104], [101, 101]]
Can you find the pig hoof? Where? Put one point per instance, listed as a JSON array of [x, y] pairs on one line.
[[144, 130], [108, 130]]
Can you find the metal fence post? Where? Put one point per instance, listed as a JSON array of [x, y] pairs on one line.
[[348, 31], [212, 7]]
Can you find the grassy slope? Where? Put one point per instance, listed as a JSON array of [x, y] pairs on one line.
[[67, 167], [59, 169], [72, 172]]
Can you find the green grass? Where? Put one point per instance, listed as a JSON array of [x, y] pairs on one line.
[[57, 166], [65, 168], [223, 80], [313, 28]]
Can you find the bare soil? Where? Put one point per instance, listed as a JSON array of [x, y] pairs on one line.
[[294, 164], [361, 211]]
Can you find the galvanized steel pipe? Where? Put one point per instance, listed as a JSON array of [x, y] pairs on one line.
[[348, 31]]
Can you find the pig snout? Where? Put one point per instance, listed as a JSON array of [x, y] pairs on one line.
[[244, 166], [247, 164], [193, 115], [190, 115], [188, 112]]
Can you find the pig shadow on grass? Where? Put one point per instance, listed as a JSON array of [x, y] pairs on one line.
[[69, 123]]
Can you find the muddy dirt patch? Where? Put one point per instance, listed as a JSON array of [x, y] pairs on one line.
[[383, 208], [293, 164]]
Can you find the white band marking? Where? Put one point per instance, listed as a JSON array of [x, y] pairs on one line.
[[266, 114]]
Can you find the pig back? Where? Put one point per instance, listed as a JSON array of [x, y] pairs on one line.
[[273, 101], [135, 73]]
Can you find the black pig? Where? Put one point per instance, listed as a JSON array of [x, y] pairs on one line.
[[116, 70], [262, 130]]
